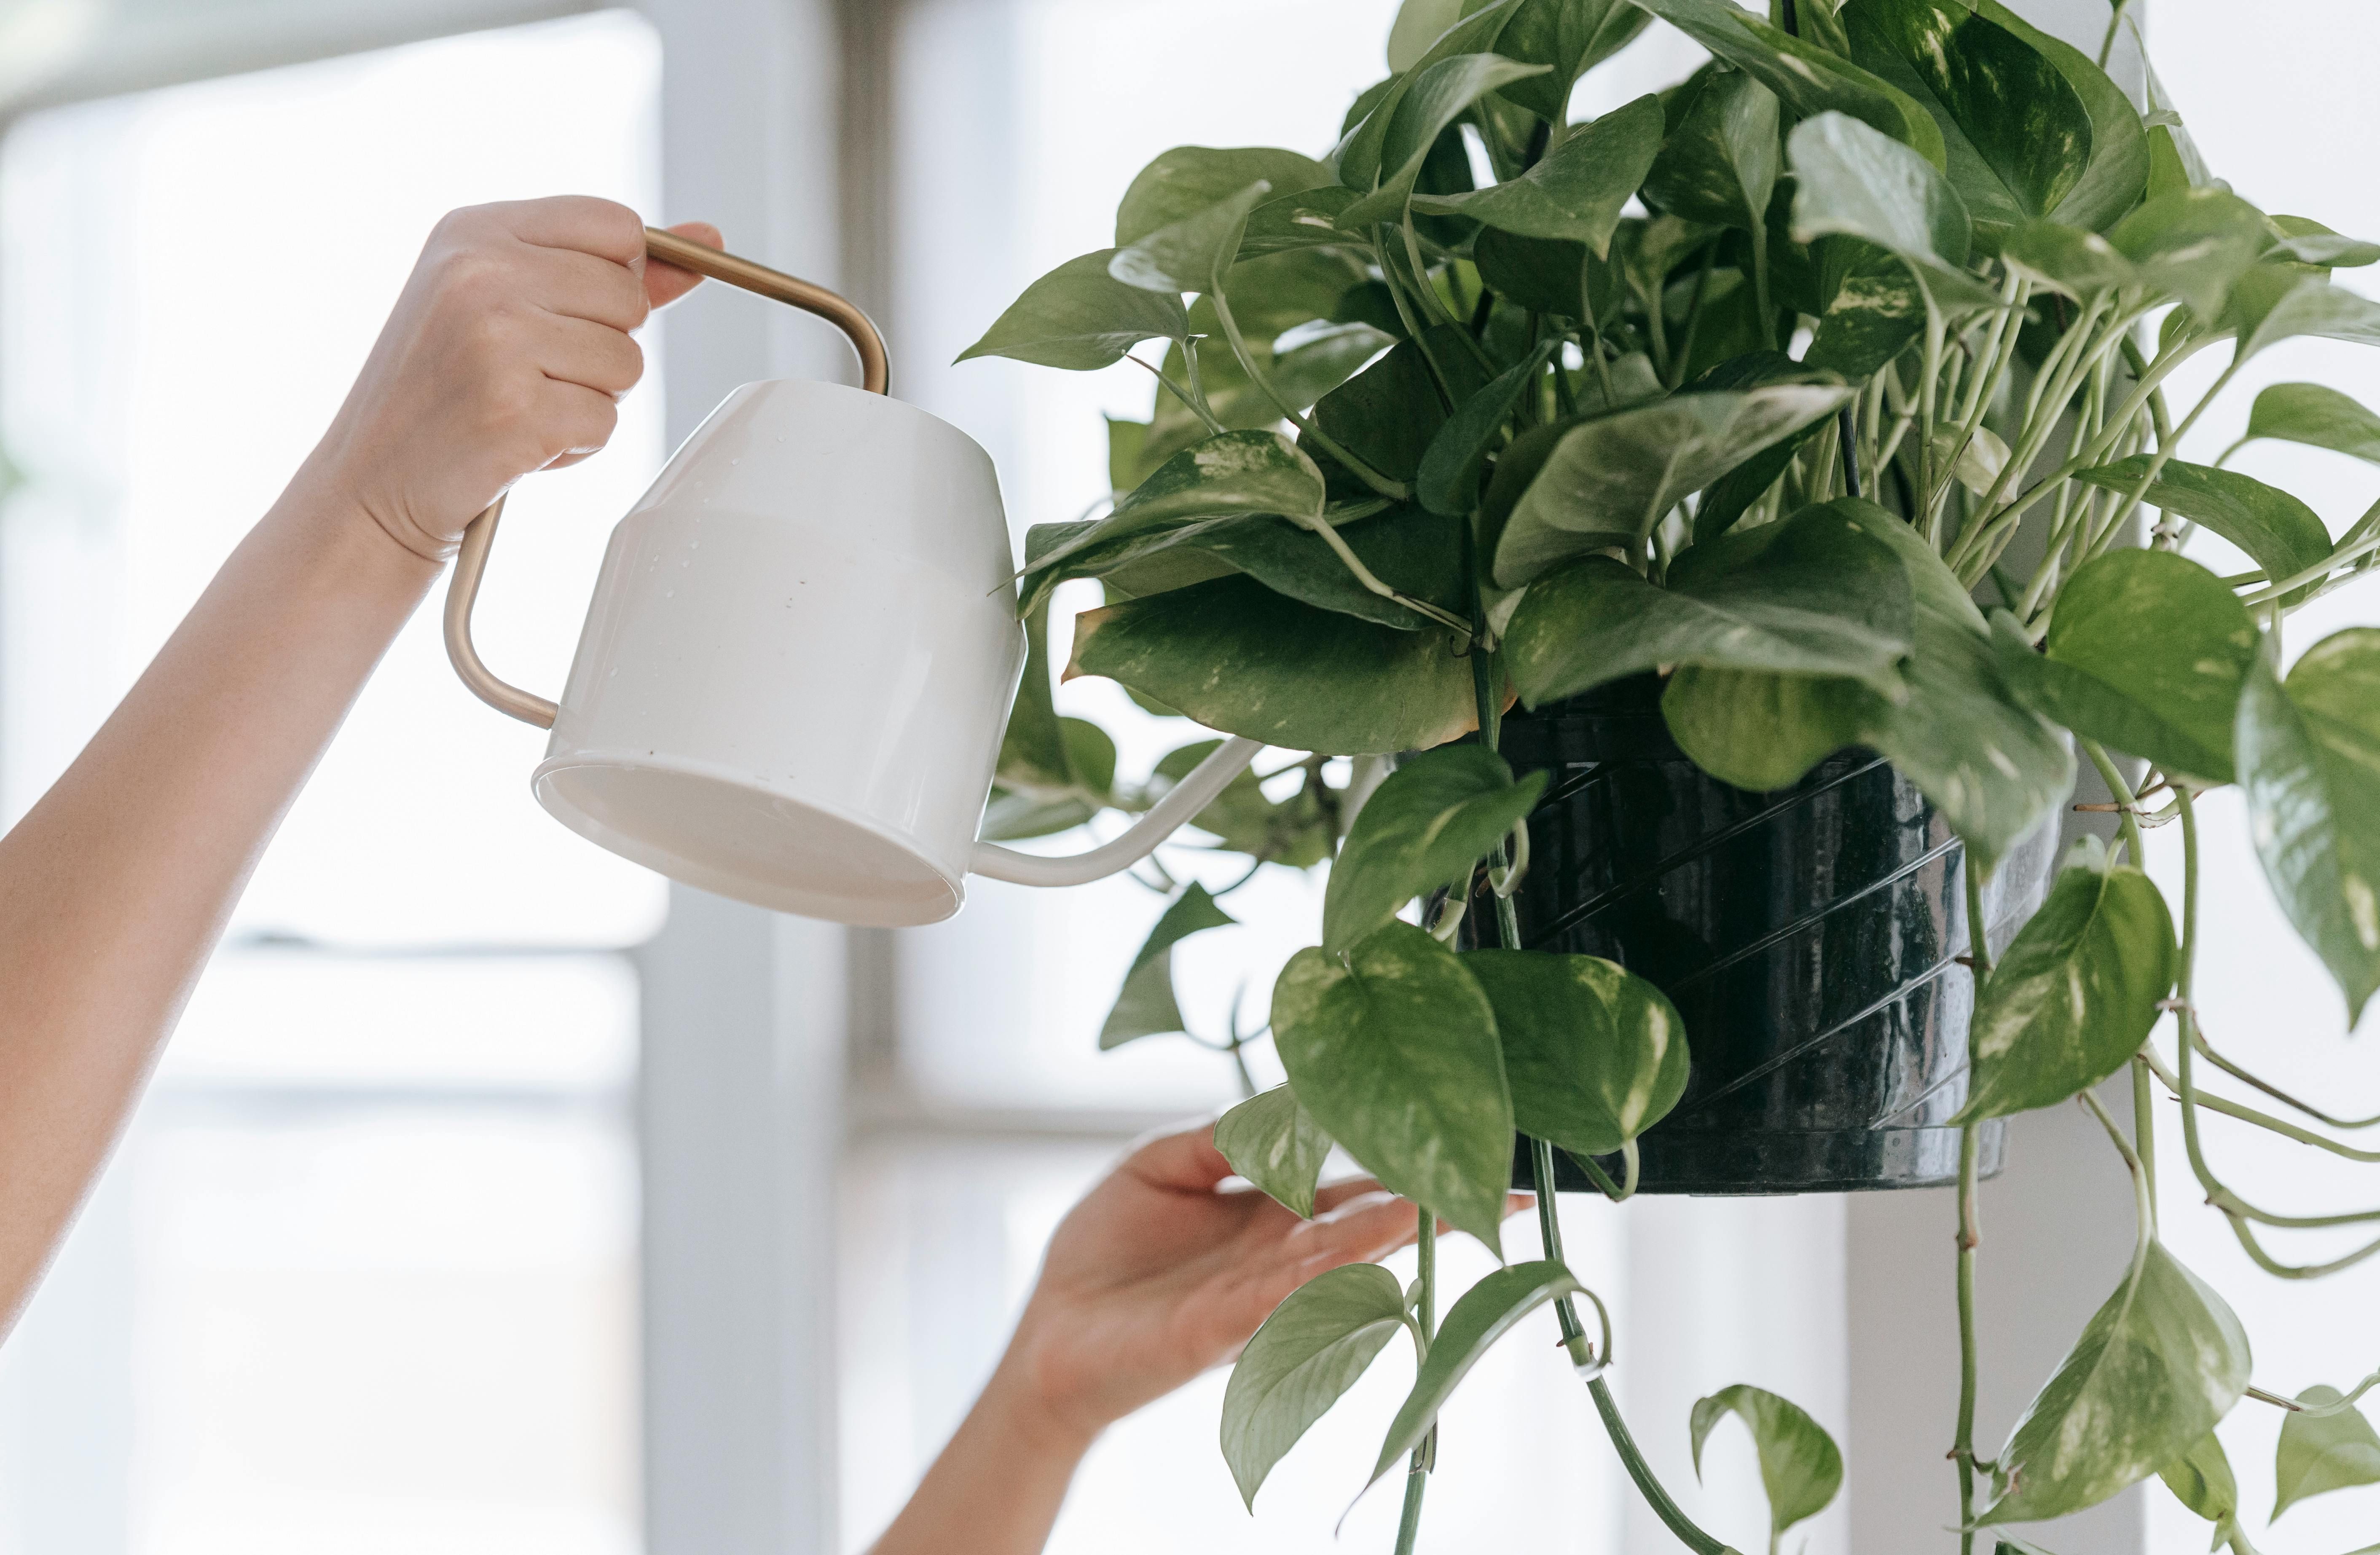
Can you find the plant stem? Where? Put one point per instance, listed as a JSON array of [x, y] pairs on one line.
[[1971, 1235], [1633, 1458], [1425, 1455]]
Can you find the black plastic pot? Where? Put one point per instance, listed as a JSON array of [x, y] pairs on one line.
[[1807, 937]]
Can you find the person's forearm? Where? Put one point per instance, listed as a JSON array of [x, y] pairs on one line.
[[997, 1487], [115, 887]]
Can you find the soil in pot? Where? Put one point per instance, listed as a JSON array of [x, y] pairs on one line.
[[1809, 938]]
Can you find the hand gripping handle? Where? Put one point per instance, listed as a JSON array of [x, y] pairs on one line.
[[471, 561]]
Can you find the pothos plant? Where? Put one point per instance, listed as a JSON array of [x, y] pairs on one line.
[[1826, 384]]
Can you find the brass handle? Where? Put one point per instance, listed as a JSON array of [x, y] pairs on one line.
[[471, 560]]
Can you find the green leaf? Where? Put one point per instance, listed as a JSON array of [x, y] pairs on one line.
[[1815, 595], [1080, 317], [2310, 762], [1571, 36], [1392, 1049], [1437, 97], [1435, 816], [1296, 831], [2082, 264], [1595, 1056], [2272, 303], [1238, 473], [1145, 1007], [1306, 219], [1419, 25], [1188, 179], [1719, 165], [1388, 414], [1012, 816], [1127, 445], [1275, 1142], [1574, 194], [2195, 244], [2145, 653], [2118, 170], [1808, 79], [2155, 1368], [2073, 997], [2319, 1452], [1308, 1353], [2317, 417], [1190, 254], [1239, 658], [1358, 155], [1032, 748], [1486, 1312], [2202, 1480], [1544, 276], [1416, 553], [1609, 479], [1876, 310], [1800, 1466], [2016, 133], [2279, 533], [1447, 479], [1758, 730], [1853, 181], [2310, 242]]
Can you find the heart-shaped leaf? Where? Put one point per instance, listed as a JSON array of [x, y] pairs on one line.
[[2309, 755], [1078, 316], [1815, 595], [1608, 480], [1759, 730], [1856, 181], [2318, 416], [2272, 303], [2155, 1368], [1308, 1353], [2119, 169], [2279, 533], [2320, 1452], [1438, 96], [2074, 995], [1575, 192], [1595, 1056], [1146, 1005], [1275, 1142], [1388, 414], [1808, 79], [1486, 1312], [1193, 253], [2195, 244], [2202, 1480], [1241, 659], [1188, 179], [1392, 1049], [1448, 479], [1876, 310], [2145, 653], [1571, 37], [1801, 1467], [1432, 819], [1721, 163], [2016, 133], [1359, 155]]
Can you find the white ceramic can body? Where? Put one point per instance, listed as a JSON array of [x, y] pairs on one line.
[[798, 662]]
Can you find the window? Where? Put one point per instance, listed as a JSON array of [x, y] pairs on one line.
[[2266, 1000], [363, 1275], [1018, 124]]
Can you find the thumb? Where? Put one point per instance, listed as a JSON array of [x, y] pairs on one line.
[[665, 283]]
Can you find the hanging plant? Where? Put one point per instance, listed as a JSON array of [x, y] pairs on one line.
[[1798, 427]]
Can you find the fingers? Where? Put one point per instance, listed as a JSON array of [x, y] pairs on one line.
[[590, 354], [581, 222], [1331, 1195], [580, 420], [665, 283], [1185, 1161]]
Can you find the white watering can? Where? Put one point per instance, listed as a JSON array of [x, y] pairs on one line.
[[797, 669]]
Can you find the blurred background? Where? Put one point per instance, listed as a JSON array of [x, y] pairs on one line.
[[496, 1195]]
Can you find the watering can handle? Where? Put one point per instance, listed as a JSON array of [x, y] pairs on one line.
[[471, 560]]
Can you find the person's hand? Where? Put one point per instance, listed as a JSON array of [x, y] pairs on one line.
[[1157, 1275], [506, 352]]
